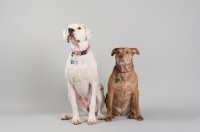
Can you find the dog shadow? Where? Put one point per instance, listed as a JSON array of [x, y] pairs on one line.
[[176, 115], [164, 115]]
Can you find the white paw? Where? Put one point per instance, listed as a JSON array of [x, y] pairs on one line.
[[100, 117], [66, 117], [91, 120], [76, 121]]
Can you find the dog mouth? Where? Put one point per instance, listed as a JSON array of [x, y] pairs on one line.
[[123, 61], [71, 37]]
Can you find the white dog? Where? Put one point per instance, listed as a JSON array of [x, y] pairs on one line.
[[85, 92]]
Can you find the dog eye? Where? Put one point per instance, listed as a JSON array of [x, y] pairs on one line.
[[126, 52], [79, 28]]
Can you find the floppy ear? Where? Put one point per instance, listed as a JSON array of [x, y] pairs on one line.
[[65, 33], [135, 51], [114, 51], [88, 32]]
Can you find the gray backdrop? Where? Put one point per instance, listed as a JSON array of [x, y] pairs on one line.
[[33, 54]]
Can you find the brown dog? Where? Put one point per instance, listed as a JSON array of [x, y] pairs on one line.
[[123, 95]]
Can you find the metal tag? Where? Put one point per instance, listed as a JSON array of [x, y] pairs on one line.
[[73, 61], [117, 79]]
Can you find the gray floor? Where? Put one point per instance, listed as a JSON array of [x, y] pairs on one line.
[[160, 120]]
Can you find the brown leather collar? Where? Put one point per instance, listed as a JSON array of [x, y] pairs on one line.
[[122, 71]]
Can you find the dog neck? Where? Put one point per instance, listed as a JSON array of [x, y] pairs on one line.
[[124, 68], [79, 53], [80, 46]]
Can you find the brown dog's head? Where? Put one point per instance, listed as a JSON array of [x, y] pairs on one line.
[[123, 56]]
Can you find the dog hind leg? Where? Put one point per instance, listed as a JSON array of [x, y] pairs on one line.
[[100, 104], [81, 107], [67, 117]]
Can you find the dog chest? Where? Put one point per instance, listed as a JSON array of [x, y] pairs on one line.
[[77, 73], [123, 91], [83, 89]]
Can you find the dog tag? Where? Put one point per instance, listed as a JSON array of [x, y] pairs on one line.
[[117, 80], [73, 61]]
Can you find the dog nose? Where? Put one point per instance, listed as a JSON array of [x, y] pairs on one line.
[[70, 30], [120, 56]]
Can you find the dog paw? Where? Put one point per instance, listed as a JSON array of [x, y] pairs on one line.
[[91, 120], [100, 117], [131, 116], [139, 118], [66, 117], [108, 119], [76, 121]]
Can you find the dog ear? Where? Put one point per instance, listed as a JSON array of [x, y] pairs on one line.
[[114, 51], [88, 32], [135, 51], [65, 33]]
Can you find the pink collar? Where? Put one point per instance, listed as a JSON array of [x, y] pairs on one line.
[[79, 53]]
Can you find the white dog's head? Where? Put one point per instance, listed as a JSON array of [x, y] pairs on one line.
[[76, 33]]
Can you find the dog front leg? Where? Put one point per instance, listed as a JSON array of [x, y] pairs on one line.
[[133, 107], [72, 98], [137, 108], [92, 118], [109, 104]]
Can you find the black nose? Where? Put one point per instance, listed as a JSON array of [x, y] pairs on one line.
[[70, 30]]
